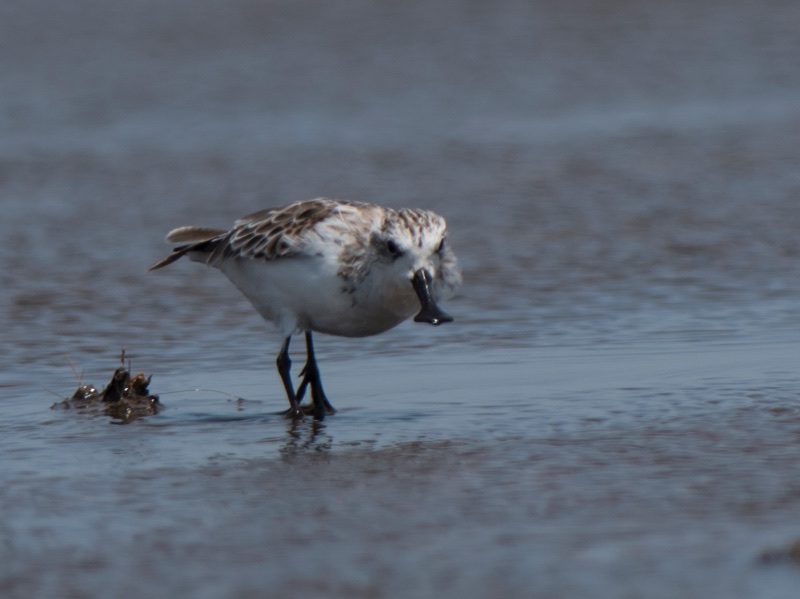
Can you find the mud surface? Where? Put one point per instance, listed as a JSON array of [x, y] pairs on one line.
[[614, 412]]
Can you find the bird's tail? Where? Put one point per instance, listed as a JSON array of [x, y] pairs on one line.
[[196, 239]]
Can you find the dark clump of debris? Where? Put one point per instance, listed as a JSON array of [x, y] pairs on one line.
[[124, 399]]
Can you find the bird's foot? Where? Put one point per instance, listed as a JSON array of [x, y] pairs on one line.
[[293, 413], [320, 406]]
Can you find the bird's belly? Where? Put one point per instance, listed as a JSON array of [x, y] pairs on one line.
[[352, 320], [318, 300]]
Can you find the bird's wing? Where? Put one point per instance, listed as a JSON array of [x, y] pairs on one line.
[[269, 234]]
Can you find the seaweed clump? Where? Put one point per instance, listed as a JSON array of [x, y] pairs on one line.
[[125, 398]]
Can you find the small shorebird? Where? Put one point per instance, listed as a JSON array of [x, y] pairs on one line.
[[329, 266]]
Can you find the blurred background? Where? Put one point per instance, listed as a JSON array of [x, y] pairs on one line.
[[605, 167], [613, 413]]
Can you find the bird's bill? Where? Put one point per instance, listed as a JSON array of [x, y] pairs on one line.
[[430, 311]]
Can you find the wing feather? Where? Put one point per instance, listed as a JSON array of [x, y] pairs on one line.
[[268, 234], [279, 232]]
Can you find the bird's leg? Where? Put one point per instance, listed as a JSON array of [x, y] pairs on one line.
[[284, 363], [310, 373]]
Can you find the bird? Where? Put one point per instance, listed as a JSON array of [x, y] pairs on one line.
[[333, 267]]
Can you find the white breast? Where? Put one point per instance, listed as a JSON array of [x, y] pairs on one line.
[[305, 293]]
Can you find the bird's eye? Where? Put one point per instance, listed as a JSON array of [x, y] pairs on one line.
[[392, 248], [440, 249]]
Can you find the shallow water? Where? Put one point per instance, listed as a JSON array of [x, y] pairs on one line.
[[614, 411]]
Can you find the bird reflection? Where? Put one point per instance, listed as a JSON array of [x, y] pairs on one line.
[[304, 437]]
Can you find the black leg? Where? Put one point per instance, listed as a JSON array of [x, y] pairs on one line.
[[284, 363], [310, 373]]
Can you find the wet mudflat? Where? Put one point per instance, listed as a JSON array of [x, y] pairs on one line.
[[614, 412], [551, 472]]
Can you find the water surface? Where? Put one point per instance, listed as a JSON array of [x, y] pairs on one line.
[[614, 411]]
